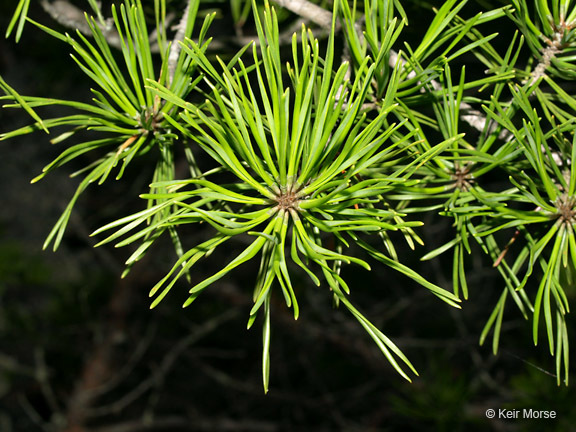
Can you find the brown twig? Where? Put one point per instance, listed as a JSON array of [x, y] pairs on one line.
[[99, 364]]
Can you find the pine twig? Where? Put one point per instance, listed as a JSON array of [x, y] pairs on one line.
[[309, 11], [176, 46]]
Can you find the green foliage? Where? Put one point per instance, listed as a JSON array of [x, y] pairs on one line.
[[19, 19], [127, 117], [319, 158]]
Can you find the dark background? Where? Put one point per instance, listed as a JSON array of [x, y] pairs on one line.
[[81, 351]]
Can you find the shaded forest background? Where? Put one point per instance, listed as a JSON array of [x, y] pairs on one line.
[[81, 351]]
